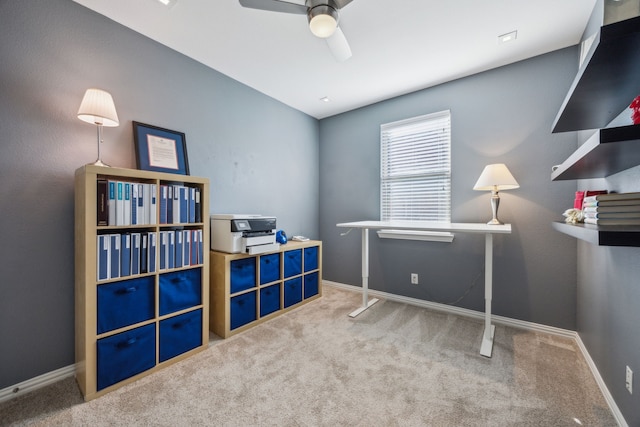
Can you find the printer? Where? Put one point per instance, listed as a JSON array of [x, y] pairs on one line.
[[250, 234]]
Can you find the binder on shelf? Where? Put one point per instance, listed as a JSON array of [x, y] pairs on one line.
[[141, 215], [193, 251], [200, 247], [113, 190], [103, 257], [135, 253], [127, 203], [163, 251], [151, 264], [152, 209], [175, 205], [134, 204], [186, 248], [170, 204], [120, 203], [144, 251], [125, 254], [146, 203], [163, 204], [103, 202], [198, 208], [192, 204], [114, 254], [171, 249], [184, 204], [179, 251]]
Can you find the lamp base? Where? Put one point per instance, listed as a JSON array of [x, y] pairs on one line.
[[495, 202], [99, 163]]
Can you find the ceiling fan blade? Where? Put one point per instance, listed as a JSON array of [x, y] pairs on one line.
[[275, 6], [339, 46]]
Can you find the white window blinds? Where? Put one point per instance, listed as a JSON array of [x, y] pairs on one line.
[[415, 179]]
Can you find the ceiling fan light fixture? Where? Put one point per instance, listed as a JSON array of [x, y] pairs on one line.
[[323, 20]]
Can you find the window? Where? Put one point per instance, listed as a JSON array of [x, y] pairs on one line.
[[415, 178]]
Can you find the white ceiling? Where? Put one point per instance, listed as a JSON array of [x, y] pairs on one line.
[[398, 46]]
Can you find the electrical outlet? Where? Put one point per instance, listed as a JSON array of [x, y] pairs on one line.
[[629, 380], [414, 278]]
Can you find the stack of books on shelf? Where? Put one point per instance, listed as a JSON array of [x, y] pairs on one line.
[[612, 209]]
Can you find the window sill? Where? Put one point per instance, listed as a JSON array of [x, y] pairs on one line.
[[426, 236]]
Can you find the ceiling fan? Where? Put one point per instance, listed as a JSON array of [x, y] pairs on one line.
[[323, 20]]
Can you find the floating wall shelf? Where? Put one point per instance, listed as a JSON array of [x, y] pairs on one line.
[[607, 82], [608, 151], [610, 235]]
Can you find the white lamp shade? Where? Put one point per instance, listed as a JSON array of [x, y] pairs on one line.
[[97, 108], [496, 177]]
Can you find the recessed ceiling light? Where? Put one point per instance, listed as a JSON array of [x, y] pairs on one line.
[[325, 99], [168, 3], [508, 37]]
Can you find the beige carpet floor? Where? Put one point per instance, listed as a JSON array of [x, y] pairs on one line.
[[394, 365]]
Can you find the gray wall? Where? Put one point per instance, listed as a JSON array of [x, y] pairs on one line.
[[607, 298], [608, 293], [500, 116], [260, 155], [608, 312]]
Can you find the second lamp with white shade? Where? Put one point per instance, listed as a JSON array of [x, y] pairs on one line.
[[495, 178]]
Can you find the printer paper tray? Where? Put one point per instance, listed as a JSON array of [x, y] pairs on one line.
[[260, 249]]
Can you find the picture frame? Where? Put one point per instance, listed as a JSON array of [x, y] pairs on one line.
[[159, 149]]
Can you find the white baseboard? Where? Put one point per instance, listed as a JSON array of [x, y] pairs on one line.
[[520, 324], [36, 383], [603, 387]]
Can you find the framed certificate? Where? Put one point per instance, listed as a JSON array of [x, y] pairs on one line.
[[160, 150]]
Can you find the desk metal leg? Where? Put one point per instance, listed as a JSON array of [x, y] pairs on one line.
[[489, 330], [366, 303]]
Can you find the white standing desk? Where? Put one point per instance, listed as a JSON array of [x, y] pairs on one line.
[[488, 230]]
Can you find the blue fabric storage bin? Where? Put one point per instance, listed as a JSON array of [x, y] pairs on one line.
[[180, 290], [292, 263], [243, 274], [269, 300], [292, 291], [269, 268], [125, 303], [125, 354], [243, 309], [310, 258], [310, 285], [180, 334]]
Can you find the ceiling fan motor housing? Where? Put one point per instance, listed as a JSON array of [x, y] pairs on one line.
[[313, 3]]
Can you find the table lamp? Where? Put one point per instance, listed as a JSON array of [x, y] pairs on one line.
[[97, 108], [495, 177]]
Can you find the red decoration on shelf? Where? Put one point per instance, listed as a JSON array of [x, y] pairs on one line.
[[635, 110]]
